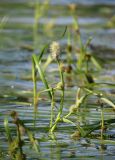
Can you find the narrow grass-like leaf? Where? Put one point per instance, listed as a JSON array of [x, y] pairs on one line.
[[95, 62], [7, 129], [64, 32], [33, 141], [45, 90], [90, 128], [81, 130], [82, 49], [42, 75], [39, 57], [107, 101], [48, 61], [68, 121], [110, 142], [88, 42]]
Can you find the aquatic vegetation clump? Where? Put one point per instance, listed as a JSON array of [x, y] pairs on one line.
[[16, 143], [66, 95], [83, 66]]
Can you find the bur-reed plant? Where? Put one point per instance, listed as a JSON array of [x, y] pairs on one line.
[[80, 98], [84, 64], [55, 51]]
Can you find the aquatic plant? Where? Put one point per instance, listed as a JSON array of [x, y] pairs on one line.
[[55, 51], [16, 143], [79, 63], [80, 99], [83, 61]]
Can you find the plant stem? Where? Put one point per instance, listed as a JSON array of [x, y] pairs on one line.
[[62, 81], [35, 85], [52, 108], [62, 98], [102, 122]]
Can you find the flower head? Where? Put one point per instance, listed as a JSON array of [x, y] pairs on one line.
[[55, 50]]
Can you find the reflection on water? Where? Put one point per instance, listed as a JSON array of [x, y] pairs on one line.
[[16, 82]]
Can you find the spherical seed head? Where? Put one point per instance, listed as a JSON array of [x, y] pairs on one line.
[[73, 109], [60, 86], [55, 50]]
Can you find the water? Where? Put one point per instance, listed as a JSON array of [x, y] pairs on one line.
[[16, 83]]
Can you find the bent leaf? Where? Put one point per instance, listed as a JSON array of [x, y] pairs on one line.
[[108, 102]]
